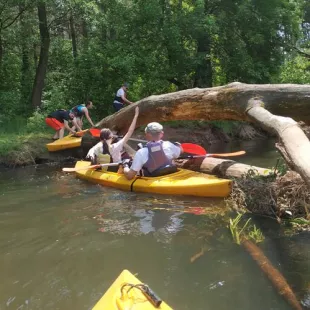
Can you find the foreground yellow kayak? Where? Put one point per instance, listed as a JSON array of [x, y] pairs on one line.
[[127, 292], [182, 182]]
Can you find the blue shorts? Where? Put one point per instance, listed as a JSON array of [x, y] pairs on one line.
[[117, 106]]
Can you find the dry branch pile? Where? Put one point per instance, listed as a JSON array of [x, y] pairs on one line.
[[277, 197]]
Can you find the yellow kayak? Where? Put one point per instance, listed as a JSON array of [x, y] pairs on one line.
[[127, 293], [182, 182], [67, 142]]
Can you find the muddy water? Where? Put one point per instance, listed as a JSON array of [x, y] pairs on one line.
[[64, 241]]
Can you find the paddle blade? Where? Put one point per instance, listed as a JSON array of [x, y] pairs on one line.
[[239, 153], [95, 132], [78, 169], [193, 149], [89, 167]]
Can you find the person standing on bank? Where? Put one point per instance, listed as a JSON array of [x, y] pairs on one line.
[[59, 120], [81, 110], [120, 97]]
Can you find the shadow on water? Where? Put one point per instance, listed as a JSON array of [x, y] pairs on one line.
[[64, 241]]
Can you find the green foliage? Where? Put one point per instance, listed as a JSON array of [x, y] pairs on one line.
[[245, 232], [36, 123], [280, 167], [157, 46], [296, 70]]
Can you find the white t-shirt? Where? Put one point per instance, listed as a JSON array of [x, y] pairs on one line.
[[172, 151], [115, 150], [120, 93]]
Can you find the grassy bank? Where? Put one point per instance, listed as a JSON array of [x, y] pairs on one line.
[[22, 140], [22, 149]]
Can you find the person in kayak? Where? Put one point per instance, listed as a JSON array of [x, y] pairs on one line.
[[120, 97], [59, 121], [106, 151], [155, 159], [81, 110]]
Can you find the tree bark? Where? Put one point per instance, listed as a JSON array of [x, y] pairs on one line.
[[220, 167], [73, 37], [294, 140], [236, 101], [25, 69], [229, 102], [273, 274], [1, 49], [38, 85], [203, 75]]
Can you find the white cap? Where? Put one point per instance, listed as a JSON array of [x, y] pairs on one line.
[[154, 127]]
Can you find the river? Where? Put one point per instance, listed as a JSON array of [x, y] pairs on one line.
[[64, 241]]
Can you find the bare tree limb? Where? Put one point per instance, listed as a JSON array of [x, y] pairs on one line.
[[3, 26], [59, 20]]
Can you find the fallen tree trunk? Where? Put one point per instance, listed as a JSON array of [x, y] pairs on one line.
[[220, 167], [294, 140], [234, 101], [229, 102]]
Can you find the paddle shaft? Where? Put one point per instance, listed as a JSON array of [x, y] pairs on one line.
[[239, 153], [89, 167]]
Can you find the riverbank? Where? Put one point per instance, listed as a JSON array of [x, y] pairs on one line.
[[30, 148]]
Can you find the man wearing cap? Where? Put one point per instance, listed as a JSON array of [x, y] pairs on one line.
[[120, 97], [156, 157]]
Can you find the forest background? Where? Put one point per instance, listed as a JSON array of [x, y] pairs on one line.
[[56, 54]]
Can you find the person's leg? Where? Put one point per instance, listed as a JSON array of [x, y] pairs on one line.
[[55, 124], [80, 123], [117, 106], [61, 132], [56, 135]]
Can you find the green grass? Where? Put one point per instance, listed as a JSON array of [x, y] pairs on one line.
[[17, 136]]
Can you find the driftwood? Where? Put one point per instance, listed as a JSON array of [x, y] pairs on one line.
[[272, 273], [236, 101], [220, 167]]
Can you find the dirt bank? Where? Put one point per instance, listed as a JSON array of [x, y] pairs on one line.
[[31, 149]]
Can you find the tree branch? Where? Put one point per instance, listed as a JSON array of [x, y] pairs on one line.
[[176, 82], [302, 53], [59, 20], [15, 18]]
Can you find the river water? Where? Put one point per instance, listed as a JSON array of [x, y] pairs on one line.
[[64, 241]]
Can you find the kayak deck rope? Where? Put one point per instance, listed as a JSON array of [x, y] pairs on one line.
[[131, 185], [147, 292]]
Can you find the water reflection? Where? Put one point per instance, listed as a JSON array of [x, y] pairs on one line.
[[64, 241]]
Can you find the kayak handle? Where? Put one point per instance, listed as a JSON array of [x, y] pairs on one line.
[[147, 292], [151, 296]]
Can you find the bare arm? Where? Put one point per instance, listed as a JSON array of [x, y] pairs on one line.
[[132, 126], [88, 117], [129, 173], [66, 124], [126, 100]]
